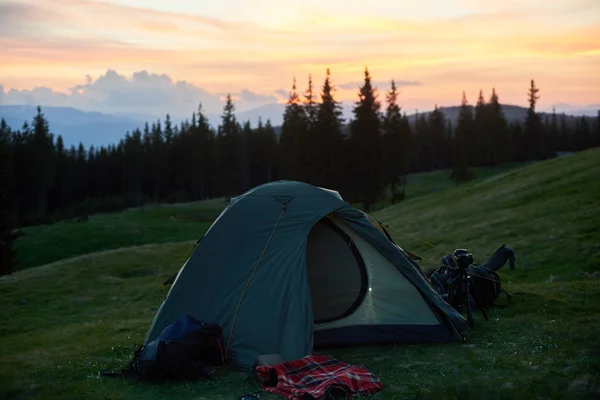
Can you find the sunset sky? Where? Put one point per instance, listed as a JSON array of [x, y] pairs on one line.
[[435, 49]]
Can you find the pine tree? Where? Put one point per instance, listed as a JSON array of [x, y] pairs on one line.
[[436, 133], [396, 145], [461, 157], [248, 158], [134, 165], [310, 105], [208, 155], [553, 133], [92, 179], [148, 162], [480, 133], [422, 149], [168, 155], [366, 161], [326, 170], [263, 153], [43, 161], [565, 141], [535, 146], [497, 147], [448, 142], [8, 213], [269, 144], [158, 160], [293, 146], [230, 151], [583, 134], [62, 192]]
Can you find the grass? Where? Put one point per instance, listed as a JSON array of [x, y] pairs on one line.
[[548, 212], [437, 181], [63, 322], [145, 225]]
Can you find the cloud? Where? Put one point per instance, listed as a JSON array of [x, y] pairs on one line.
[[451, 46], [142, 92], [251, 97], [282, 93]]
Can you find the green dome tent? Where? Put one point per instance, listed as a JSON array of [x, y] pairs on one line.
[[288, 266]]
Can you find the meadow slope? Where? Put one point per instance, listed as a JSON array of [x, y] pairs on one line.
[[63, 322]]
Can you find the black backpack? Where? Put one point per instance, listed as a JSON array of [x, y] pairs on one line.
[[484, 281], [187, 349]]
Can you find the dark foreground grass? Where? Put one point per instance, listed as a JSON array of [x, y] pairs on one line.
[[63, 323], [152, 224]]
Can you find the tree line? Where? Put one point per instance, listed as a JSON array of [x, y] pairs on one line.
[[366, 158]]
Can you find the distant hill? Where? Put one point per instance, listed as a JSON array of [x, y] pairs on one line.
[[101, 129], [511, 112], [87, 127]]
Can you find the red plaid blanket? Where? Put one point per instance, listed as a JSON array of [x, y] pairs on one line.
[[316, 377]]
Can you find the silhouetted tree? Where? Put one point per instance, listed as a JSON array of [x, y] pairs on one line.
[[535, 143], [62, 193], [436, 142], [365, 147], [497, 148], [583, 134], [396, 145], [553, 133], [133, 167], [293, 146], [325, 167], [203, 154], [230, 149], [565, 136], [461, 157], [480, 133], [8, 216], [421, 150], [310, 104], [43, 161]]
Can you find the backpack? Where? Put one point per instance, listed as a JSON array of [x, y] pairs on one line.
[[187, 349], [485, 286], [484, 281]]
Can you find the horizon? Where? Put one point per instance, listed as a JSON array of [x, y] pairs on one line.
[[164, 57]]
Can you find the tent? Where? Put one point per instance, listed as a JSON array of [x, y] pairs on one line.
[[288, 267]]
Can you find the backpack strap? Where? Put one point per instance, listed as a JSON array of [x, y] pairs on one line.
[[132, 370]]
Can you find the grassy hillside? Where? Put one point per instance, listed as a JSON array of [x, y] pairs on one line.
[[63, 322], [436, 181], [146, 225], [167, 223], [548, 212]]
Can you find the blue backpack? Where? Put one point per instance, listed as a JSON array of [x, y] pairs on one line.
[[187, 349]]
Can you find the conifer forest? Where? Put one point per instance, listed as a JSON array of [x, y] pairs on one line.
[[365, 158]]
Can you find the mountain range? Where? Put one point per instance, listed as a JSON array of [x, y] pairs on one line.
[[101, 129]]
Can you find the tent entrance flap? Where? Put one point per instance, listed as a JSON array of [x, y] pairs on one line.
[[336, 272]]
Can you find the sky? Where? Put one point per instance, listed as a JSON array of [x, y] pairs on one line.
[[137, 55]]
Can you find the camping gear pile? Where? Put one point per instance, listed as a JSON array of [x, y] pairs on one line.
[[464, 284], [288, 268]]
